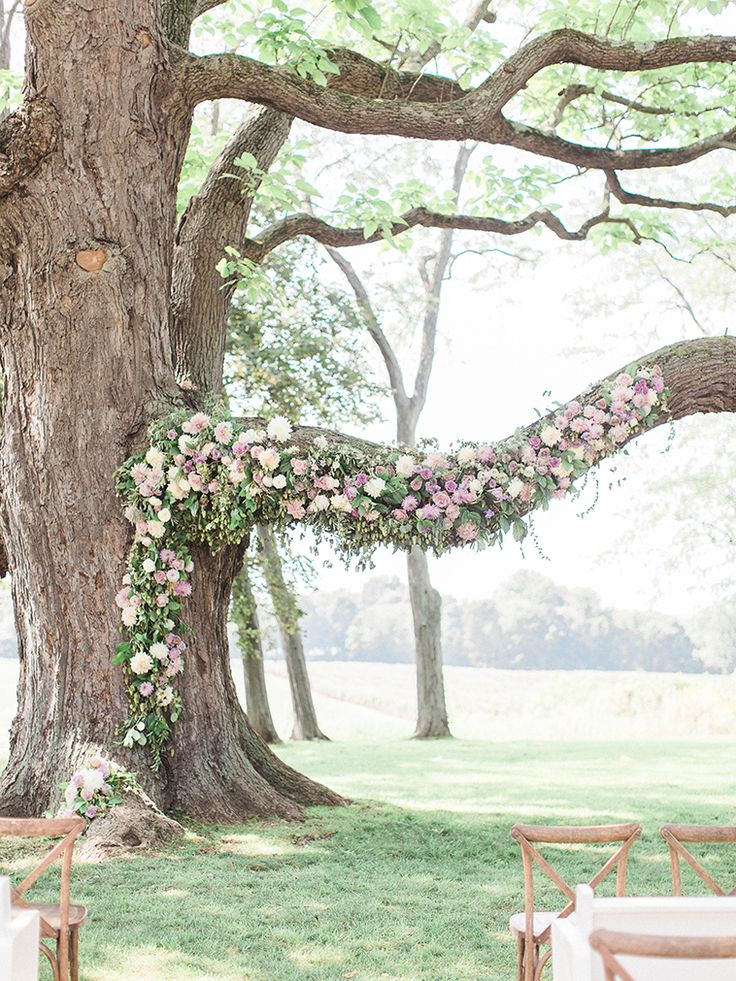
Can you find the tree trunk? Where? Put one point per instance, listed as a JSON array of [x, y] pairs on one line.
[[426, 608], [287, 616], [426, 611], [245, 618], [85, 268]]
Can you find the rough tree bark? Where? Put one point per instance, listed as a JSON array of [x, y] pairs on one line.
[[245, 618], [86, 271], [287, 615], [89, 168]]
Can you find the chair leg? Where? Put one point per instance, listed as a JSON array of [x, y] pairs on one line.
[[74, 954], [519, 957]]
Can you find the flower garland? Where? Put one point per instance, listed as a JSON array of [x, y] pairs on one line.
[[204, 481], [96, 788]]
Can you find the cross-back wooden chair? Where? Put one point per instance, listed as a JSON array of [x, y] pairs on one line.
[[610, 943], [675, 834], [533, 927], [60, 922]]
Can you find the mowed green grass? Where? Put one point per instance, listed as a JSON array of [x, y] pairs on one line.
[[415, 880]]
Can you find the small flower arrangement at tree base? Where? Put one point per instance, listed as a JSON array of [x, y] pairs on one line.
[[97, 787]]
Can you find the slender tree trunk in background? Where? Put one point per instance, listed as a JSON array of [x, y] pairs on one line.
[[245, 618], [426, 612], [426, 609], [287, 616]]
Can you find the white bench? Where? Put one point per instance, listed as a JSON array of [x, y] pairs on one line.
[[672, 916], [19, 938]]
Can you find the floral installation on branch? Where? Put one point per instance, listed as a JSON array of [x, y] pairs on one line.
[[204, 481], [96, 788]]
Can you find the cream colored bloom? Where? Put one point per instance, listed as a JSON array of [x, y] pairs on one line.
[[155, 457], [164, 515], [515, 487], [279, 429], [374, 487], [129, 615], [159, 651], [279, 481], [466, 454], [155, 529], [340, 502], [149, 565], [165, 696], [269, 459], [141, 663], [405, 466], [550, 435]]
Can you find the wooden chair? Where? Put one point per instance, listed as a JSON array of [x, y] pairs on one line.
[[532, 927], [675, 834], [609, 943], [60, 921]]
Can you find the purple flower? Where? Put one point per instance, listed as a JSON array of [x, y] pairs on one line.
[[410, 503], [430, 512], [171, 434], [146, 689], [183, 589], [362, 478], [425, 473], [91, 812], [450, 486]]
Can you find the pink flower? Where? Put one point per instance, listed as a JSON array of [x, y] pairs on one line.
[[146, 689], [410, 503], [430, 512], [195, 481], [162, 600], [91, 812], [295, 509], [183, 588], [300, 467], [441, 499], [121, 598], [398, 514], [416, 484], [467, 531], [160, 577]]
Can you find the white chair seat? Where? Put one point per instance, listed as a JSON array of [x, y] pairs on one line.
[[541, 921]]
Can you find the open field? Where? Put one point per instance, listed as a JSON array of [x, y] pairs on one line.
[[416, 880], [358, 700]]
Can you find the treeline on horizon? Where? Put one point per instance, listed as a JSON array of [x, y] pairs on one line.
[[528, 622]]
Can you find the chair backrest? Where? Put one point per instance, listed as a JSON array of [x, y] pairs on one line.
[[69, 828], [529, 835], [609, 943], [675, 834]]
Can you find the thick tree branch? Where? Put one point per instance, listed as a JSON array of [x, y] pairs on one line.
[[370, 98], [700, 376], [27, 136], [216, 217], [256, 249], [647, 201]]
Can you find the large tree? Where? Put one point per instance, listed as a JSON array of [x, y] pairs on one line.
[[106, 302]]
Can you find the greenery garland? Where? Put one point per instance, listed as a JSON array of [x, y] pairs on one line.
[[202, 480]]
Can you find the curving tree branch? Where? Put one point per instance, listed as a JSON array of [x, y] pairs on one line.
[[216, 217], [256, 249], [370, 98], [647, 201]]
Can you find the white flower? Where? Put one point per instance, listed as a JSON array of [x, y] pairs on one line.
[[321, 502], [515, 487], [169, 624], [155, 457], [186, 443], [268, 481], [466, 454], [155, 529], [224, 432], [149, 565], [179, 489], [269, 459], [165, 696], [126, 579], [164, 515], [550, 435], [141, 663], [279, 429], [92, 778], [405, 466], [475, 486], [159, 651], [129, 615], [374, 487], [279, 481], [320, 442], [340, 502]]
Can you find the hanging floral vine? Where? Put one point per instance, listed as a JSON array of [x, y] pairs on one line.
[[203, 480]]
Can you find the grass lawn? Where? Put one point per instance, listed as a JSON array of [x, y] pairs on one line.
[[414, 881]]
